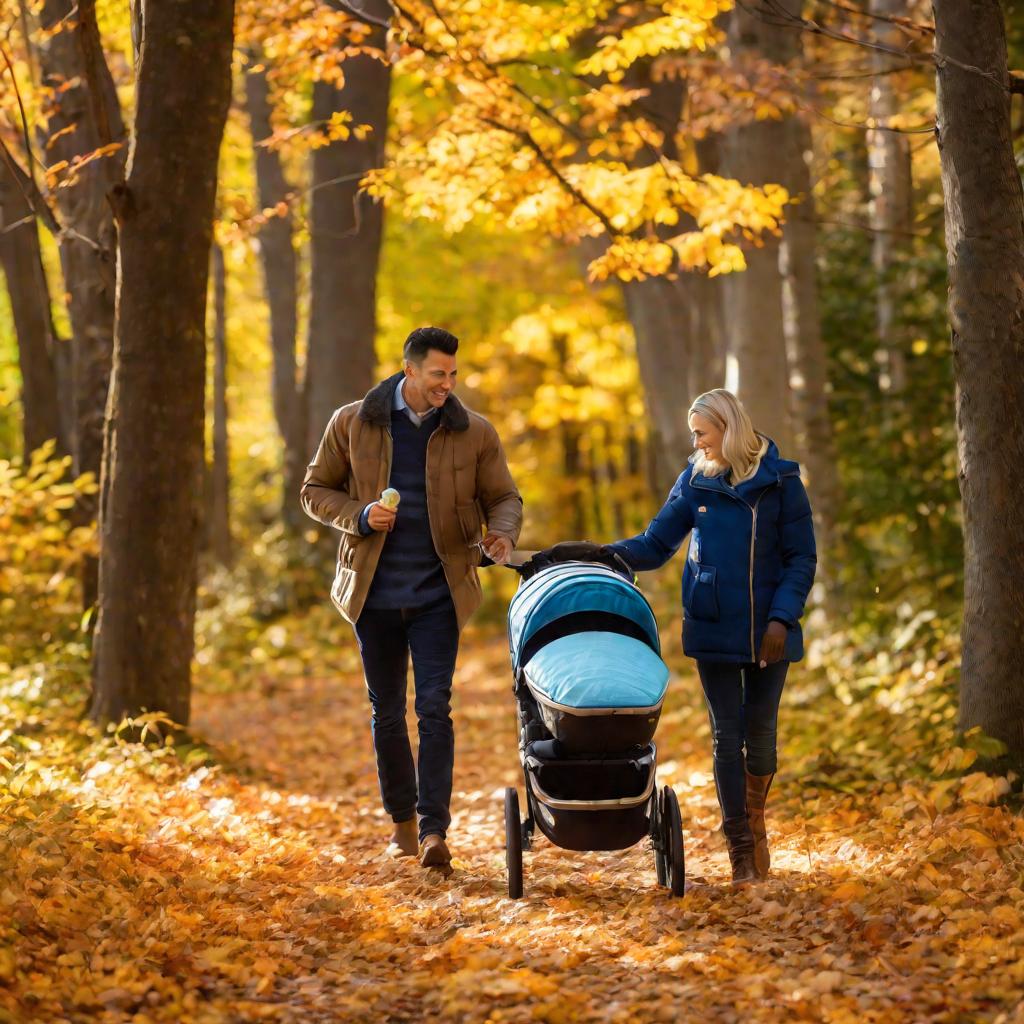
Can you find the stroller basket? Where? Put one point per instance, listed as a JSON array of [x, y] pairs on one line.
[[578, 785], [593, 804]]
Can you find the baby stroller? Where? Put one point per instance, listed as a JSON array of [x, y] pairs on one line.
[[589, 684]]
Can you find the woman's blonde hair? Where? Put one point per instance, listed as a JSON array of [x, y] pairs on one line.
[[742, 446]]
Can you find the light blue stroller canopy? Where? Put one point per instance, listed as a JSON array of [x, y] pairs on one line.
[[575, 587]]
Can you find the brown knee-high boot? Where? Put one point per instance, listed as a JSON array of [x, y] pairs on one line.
[[757, 796]]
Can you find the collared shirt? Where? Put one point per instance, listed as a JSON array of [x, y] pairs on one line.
[[400, 403]]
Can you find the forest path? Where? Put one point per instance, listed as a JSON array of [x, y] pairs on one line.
[[856, 924]]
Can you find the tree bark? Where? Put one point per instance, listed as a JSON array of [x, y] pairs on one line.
[[30, 306], [985, 253], [154, 453], [657, 309], [890, 184], [806, 355], [88, 242], [707, 320], [280, 277], [751, 153], [346, 229], [218, 521]]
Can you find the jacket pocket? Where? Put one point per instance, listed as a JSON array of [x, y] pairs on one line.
[[470, 522], [347, 548], [701, 600]]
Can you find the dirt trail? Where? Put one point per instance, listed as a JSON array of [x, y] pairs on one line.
[[832, 937]]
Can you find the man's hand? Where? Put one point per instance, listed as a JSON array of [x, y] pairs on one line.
[[497, 547], [773, 644], [381, 518]]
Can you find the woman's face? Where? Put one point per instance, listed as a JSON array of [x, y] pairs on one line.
[[707, 438]]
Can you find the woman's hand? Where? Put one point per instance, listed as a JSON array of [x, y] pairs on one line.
[[773, 644]]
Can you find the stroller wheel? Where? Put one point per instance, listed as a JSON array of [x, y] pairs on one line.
[[672, 839], [657, 836], [513, 844]]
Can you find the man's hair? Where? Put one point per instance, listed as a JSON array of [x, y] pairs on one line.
[[423, 339]]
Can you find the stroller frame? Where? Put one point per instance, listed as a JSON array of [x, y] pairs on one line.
[[627, 808]]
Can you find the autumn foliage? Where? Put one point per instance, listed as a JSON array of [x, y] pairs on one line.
[[234, 870]]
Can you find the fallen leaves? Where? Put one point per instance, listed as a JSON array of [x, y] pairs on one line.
[[249, 884]]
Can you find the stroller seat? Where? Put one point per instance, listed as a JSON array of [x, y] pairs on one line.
[[598, 672]]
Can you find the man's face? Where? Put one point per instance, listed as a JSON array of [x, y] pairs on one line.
[[430, 382]]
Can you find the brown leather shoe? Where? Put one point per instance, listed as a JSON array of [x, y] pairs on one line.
[[405, 840], [435, 853], [757, 797], [741, 850]]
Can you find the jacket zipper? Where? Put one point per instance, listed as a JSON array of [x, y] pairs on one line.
[[753, 538], [438, 548]]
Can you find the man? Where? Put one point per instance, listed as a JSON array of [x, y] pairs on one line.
[[406, 576]]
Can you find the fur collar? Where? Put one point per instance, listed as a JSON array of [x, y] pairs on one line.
[[376, 406]]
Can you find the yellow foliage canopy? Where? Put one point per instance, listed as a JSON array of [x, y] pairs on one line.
[[531, 125]]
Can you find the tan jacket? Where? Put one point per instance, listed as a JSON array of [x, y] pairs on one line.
[[468, 485]]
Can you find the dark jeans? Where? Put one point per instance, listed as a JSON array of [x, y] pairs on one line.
[[743, 705], [386, 638]]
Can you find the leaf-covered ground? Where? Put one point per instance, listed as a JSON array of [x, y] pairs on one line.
[[248, 882]]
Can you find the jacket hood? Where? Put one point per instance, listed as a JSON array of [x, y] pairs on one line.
[[776, 464], [376, 406]]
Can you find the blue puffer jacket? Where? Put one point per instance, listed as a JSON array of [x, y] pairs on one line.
[[751, 557]]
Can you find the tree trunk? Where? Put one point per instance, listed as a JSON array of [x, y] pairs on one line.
[[346, 228], [890, 184], [218, 521], [707, 320], [985, 253], [806, 354], [660, 317], [88, 244], [280, 276], [752, 154], [659, 308], [33, 323], [572, 468], [154, 452]]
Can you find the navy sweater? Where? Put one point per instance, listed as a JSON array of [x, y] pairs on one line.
[[409, 574]]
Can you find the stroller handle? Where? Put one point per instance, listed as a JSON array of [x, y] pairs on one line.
[[528, 563]]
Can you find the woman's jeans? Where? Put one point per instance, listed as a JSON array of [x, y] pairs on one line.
[[743, 705], [386, 638]]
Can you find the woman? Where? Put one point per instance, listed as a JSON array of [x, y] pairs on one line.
[[748, 571]]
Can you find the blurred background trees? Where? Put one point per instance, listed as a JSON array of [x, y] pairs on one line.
[[613, 205]]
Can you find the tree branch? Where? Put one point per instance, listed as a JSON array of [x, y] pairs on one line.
[[34, 199], [24, 125], [773, 14], [93, 58], [352, 8], [553, 170]]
